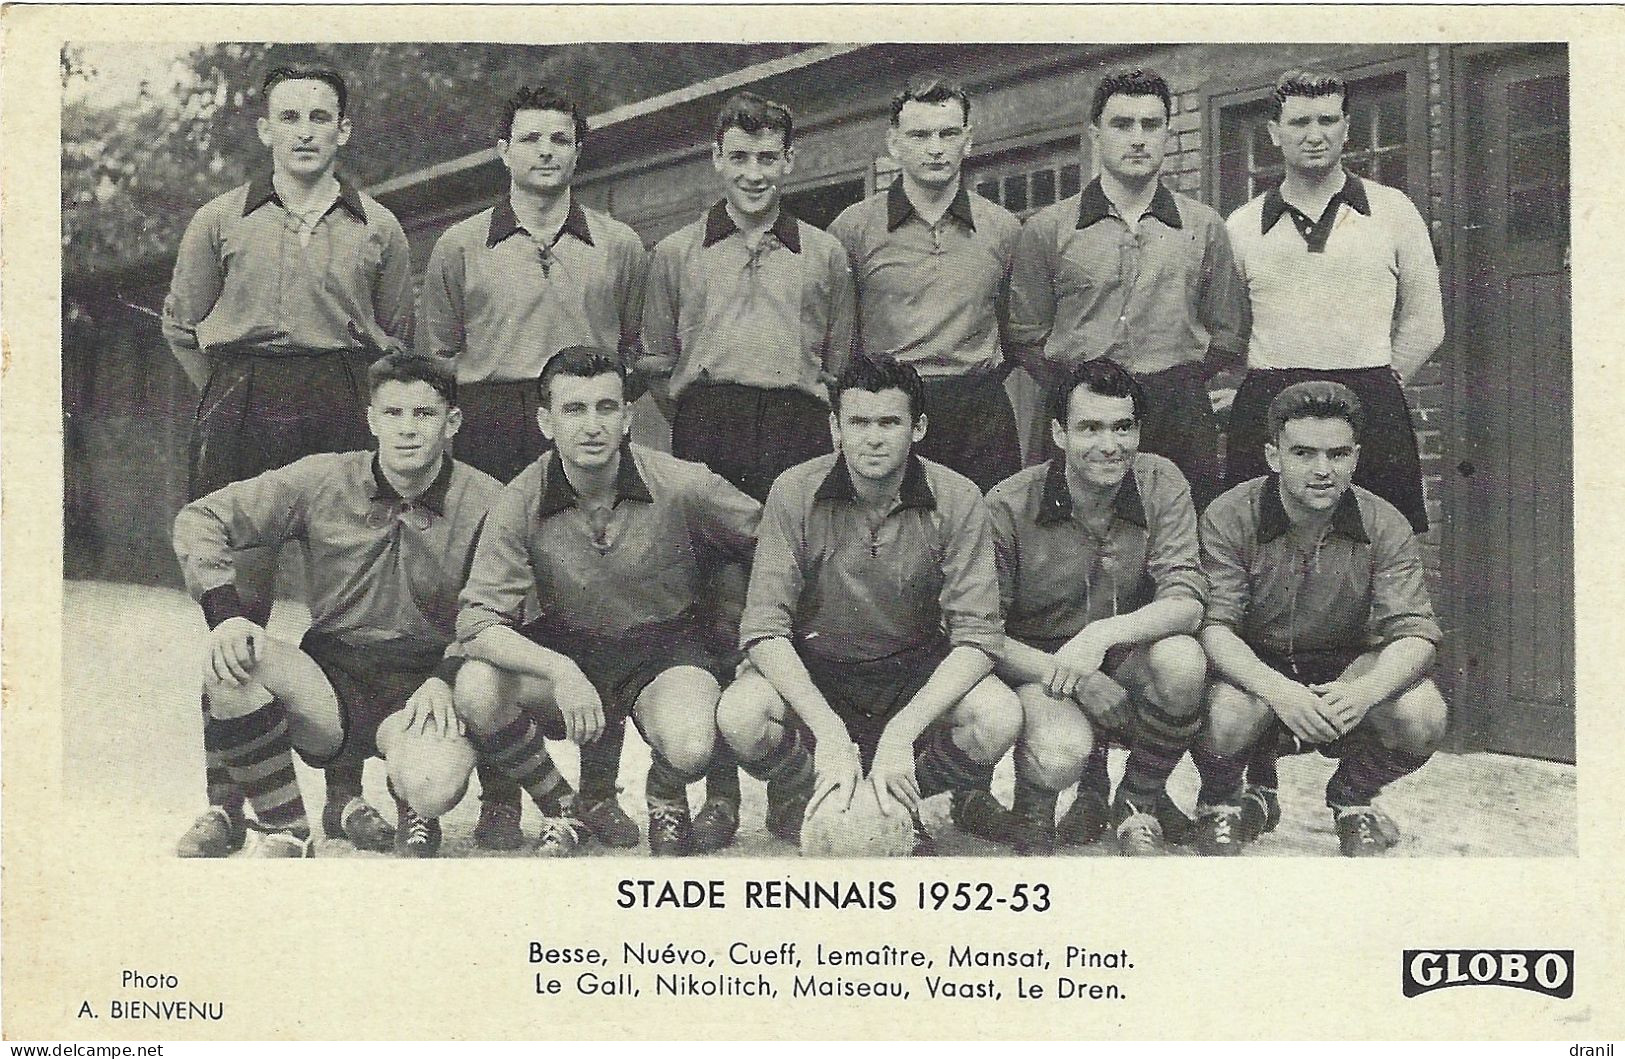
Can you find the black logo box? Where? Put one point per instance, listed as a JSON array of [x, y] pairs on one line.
[[1546, 971]]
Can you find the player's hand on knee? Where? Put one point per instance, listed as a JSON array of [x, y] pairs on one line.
[[1104, 700], [1347, 701], [896, 786], [1081, 654], [1064, 679], [1305, 713], [432, 706], [837, 773], [235, 647], [583, 710]]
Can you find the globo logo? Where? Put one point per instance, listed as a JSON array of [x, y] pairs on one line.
[[1547, 971]]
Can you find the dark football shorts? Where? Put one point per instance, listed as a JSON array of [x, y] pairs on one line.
[[620, 666], [499, 434], [747, 434], [1389, 463], [866, 695], [371, 682], [261, 412], [973, 427]]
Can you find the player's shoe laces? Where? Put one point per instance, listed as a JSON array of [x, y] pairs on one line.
[[415, 835], [1085, 820], [1260, 811], [1138, 832], [217, 833], [1219, 831], [608, 823], [1363, 831], [499, 825], [561, 836], [669, 829], [360, 823], [715, 826], [283, 845], [979, 813]]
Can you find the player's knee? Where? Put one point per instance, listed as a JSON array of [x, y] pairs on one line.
[[994, 720], [686, 747], [430, 772], [1418, 721], [1052, 756], [1233, 722], [1179, 671], [233, 700], [744, 713], [478, 694]]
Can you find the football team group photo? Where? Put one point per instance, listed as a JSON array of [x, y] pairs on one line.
[[1159, 493]]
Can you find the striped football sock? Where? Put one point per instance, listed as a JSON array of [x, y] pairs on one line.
[[258, 753], [943, 766], [789, 764], [519, 751]]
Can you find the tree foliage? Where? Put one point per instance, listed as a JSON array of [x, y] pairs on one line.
[[134, 170]]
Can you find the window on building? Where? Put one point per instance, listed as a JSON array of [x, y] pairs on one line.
[[1538, 159], [1378, 145], [1027, 179]]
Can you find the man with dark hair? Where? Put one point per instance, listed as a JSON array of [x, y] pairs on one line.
[[872, 618], [1347, 290], [1130, 270], [386, 539], [749, 312], [1099, 578], [284, 288], [611, 538], [1318, 626], [932, 265], [538, 272], [505, 290]]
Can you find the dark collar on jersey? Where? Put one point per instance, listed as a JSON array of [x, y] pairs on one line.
[[1094, 206], [1352, 192], [558, 494], [900, 209], [433, 498], [1273, 520], [1056, 504], [504, 222], [261, 190], [914, 492], [719, 225]]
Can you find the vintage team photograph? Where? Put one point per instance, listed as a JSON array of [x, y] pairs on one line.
[[818, 449]]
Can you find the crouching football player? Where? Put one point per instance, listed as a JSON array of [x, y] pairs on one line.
[[1318, 627], [386, 539], [614, 540], [872, 618], [1102, 591]]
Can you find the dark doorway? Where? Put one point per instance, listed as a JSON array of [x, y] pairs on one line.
[[1514, 569]]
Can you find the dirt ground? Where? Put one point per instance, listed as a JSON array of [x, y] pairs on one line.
[[133, 760]]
